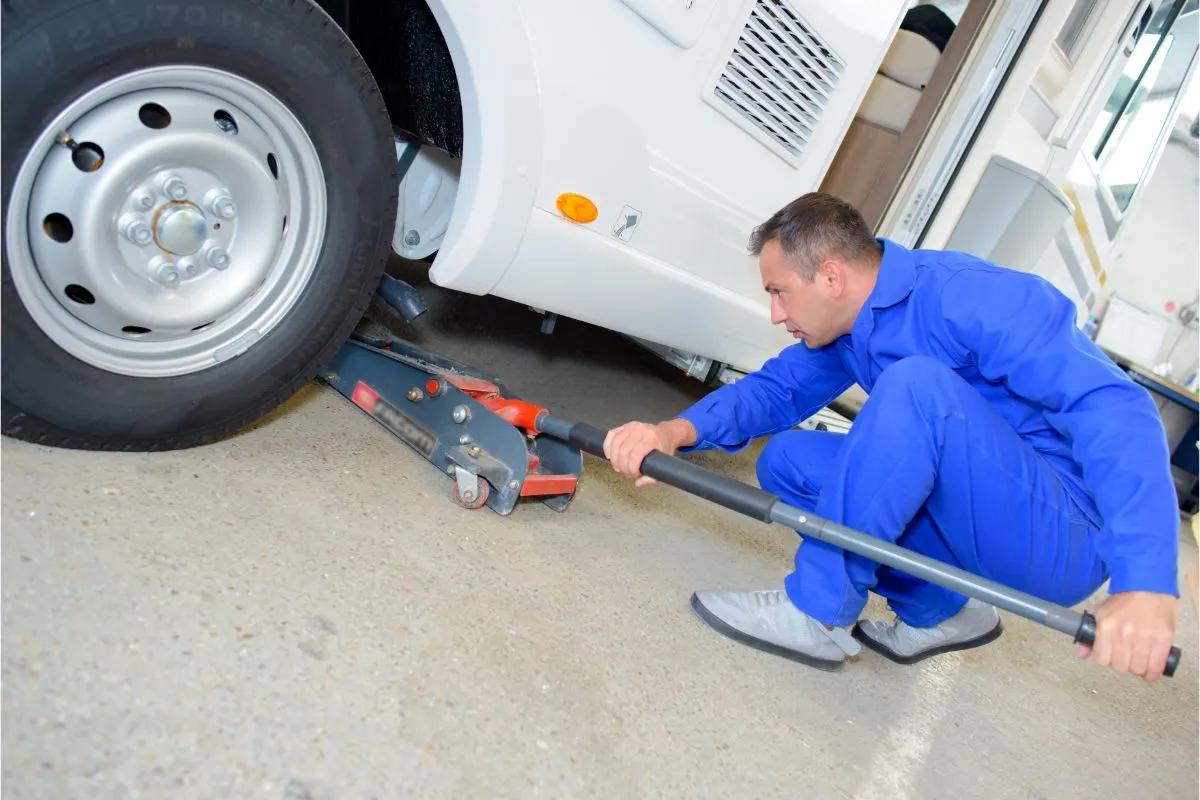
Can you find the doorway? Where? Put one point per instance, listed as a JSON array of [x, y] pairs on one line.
[[925, 58]]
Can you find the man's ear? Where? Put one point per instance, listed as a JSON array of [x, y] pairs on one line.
[[831, 275]]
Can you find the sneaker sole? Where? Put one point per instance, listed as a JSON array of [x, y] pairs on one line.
[[892, 655], [725, 629]]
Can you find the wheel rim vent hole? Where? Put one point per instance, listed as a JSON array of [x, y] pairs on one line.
[[80, 294], [58, 227], [135, 330], [226, 122], [273, 165], [87, 156], [154, 116]]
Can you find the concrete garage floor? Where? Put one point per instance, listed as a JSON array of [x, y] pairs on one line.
[[300, 612]]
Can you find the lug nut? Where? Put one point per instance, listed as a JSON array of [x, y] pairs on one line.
[[217, 257], [165, 272], [225, 208], [144, 201], [174, 187], [220, 204], [159, 266], [190, 267], [136, 231]]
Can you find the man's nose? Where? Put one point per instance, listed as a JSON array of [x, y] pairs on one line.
[[778, 315]]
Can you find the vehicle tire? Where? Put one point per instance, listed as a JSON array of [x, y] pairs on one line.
[[251, 142]]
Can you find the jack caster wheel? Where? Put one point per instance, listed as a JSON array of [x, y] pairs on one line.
[[472, 499]]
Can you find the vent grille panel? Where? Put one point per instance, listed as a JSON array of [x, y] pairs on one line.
[[780, 76]]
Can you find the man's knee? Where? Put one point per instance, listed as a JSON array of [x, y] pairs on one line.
[[913, 377], [794, 461]]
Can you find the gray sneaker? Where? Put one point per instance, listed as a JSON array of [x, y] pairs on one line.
[[770, 622], [976, 625]]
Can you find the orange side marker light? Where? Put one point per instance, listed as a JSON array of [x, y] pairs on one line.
[[577, 208]]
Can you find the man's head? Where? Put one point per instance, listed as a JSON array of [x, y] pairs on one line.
[[819, 262]]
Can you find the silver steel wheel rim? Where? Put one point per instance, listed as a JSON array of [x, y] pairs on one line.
[[186, 241]]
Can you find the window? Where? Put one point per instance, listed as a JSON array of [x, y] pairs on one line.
[[1139, 110]]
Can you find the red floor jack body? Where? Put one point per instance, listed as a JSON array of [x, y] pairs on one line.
[[465, 423], [500, 449]]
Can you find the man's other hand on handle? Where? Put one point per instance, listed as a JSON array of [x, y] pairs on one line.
[[1134, 634]]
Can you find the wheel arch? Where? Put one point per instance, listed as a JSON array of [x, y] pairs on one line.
[[460, 75]]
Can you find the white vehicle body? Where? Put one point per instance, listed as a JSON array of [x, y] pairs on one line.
[[617, 101], [191, 231], [596, 99]]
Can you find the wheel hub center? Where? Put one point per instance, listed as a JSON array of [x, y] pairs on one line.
[[181, 229]]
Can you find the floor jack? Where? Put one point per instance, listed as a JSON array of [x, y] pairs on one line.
[[499, 449]]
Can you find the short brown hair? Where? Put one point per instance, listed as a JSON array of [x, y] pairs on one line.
[[817, 226]]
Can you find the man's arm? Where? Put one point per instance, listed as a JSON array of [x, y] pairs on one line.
[[788, 389], [1020, 330]]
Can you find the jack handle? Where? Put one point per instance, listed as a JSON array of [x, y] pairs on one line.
[[765, 507]]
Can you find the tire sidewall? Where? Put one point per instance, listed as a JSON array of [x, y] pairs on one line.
[[55, 51]]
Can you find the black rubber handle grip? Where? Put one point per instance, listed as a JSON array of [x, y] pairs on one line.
[[1087, 635], [735, 495]]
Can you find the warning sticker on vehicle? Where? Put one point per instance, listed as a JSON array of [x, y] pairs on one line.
[[395, 420], [627, 223]]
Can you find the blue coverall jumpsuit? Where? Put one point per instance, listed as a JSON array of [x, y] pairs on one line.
[[996, 437]]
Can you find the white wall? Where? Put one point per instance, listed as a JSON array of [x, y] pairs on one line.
[[1156, 258]]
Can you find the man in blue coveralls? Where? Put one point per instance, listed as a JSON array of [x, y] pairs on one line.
[[996, 437]]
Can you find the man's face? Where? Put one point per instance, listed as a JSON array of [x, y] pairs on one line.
[[807, 310]]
